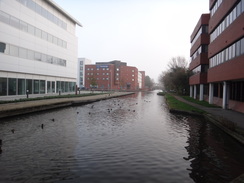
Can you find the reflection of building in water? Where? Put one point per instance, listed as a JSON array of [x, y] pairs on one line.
[[38, 48], [217, 53], [210, 162]]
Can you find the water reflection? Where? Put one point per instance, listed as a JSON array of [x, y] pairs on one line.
[[128, 139], [213, 156]]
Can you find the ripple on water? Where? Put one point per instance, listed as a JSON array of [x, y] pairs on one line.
[[130, 139]]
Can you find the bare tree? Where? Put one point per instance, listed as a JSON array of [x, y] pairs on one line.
[[177, 76]]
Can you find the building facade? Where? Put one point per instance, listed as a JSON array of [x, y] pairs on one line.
[[38, 48], [225, 76], [114, 75], [81, 71], [199, 58]]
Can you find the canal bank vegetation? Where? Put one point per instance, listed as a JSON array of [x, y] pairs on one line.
[[181, 107], [202, 103], [50, 97]]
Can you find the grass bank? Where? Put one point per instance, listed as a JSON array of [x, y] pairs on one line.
[[181, 107], [49, 97], [202, 103]]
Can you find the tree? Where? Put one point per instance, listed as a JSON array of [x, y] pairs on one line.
[[93, 82], [149, 82], [177, 77]]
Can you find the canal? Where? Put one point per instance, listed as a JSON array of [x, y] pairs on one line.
[[121, 140]]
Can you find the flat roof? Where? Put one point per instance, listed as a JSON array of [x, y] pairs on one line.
[[61, 10]]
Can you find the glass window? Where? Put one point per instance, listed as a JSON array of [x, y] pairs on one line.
[[242, 5], [50, 38], [65, 44], [4, 17], [30, 55], [14, 51], [58, 86], [31, 5], [238, 9], [12, 86], [14, 22], [29, 85], [62, 86], [37, 56], [53, 86], [2, 47], [234, 13], [38, 9], [49, 90], [38, 32], [3, 86], [21, 87], [242, 44], [44, 57], [55, 40], [66, 86], [44, 35], [23, 26], [22, 52], [36, 86], [31, 29], [60, 43]]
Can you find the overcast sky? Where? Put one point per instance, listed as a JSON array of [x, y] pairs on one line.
[[144, 33]]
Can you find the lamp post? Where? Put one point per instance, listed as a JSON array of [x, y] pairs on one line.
[[27, 93]]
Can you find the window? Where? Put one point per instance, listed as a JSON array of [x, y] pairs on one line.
[[3, 86], [31, 29], [38, 32], [23, 26], [30, 55], [14, 22], [29, 85], [242, 45], [37, 56], [44, 35], [12, 86], [36, 86], [50, 38], [21, 87], [14, 51], [42, 86], [4, 17], [2, 47], [23, 53]]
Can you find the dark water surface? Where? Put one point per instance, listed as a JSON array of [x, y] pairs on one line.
[[128, 139]]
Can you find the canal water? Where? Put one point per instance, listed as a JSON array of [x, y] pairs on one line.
[[121, 140]]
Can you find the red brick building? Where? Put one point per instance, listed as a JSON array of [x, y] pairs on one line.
[[199, 58], [114, 75], [225, 76]]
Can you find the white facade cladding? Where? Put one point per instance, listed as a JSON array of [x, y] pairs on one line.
[[81, 71], [38, 48]]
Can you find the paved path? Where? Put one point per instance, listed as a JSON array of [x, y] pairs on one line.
[[233, 116]]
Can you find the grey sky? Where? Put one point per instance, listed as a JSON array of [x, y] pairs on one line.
[[144, 33]]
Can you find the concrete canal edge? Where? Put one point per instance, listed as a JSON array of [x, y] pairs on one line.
[[19, 108], [220, 123]]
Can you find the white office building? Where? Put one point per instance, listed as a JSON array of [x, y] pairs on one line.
[[81, 71], [38, 48]]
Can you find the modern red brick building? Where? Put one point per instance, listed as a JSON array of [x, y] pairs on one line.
[[225, 75], [199, 58], [114, 75]]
